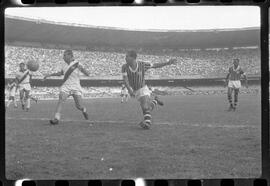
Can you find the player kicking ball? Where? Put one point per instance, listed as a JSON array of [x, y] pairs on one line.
[[124, 94], [234, 84], [12, 89], [70, 85], [133, 75]]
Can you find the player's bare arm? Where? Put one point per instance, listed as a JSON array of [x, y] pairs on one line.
[[160, 65], [60, 73], [246, 80], [125, 79], [227, 80], [130, 91], [83, 70]]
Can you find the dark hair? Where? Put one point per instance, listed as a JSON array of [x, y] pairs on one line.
[[69, 52], [236, 59], [22, 63], [132, 54]]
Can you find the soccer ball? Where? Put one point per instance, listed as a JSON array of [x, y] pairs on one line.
[[32, 65]]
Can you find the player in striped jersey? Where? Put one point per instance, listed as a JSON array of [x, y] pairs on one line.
[[234, 84], [12, 89], [133, 74]]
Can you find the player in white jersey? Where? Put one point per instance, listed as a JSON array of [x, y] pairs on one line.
[[23, 78], [70, 86], [12, 89], [124, 94]]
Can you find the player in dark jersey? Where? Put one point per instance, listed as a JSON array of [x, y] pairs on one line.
[[234, 84], [133, 74]]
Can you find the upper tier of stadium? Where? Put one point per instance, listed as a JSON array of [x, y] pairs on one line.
[[85, 36]]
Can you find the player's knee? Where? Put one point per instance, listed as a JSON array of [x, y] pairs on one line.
[[145, 108]]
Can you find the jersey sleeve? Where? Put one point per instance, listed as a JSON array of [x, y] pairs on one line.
[[147, 65], [124, 70]]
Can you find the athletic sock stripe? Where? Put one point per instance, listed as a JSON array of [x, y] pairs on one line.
[[147, 121]]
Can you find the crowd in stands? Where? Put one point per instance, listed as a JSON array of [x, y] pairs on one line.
[[44, 93], [101, 63]]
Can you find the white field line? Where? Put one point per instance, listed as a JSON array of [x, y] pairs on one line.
[[134, 122]]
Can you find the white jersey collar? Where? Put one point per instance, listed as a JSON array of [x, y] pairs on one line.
[[236, 68]]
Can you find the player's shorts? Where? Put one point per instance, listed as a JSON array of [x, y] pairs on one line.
[[71, 90], [144, 91], [25, 86], [234, 84], [124, 93]]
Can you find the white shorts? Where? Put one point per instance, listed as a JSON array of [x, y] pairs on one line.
[[144, 91], [234, 84], [25, 86], [125, 92], [71, 89], [12, 93]]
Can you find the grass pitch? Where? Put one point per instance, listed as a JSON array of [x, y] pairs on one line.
[[191, 137]]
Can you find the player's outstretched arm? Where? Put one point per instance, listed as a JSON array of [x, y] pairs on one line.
[[60, 73], [160, 65], [83, 70]]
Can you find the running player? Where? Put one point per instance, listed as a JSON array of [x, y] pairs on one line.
[[234, 84], [24, 77], [124, 94], [133, 74], [12, 89], [70, 85]]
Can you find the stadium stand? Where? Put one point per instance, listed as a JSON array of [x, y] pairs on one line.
[[201, 53], [204, 63]]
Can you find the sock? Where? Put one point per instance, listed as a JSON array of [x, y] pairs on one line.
[[147, 116], [153, 104], [57, 116], [235, 99], [28, 103], [230, 99], [22, 101], [84, 109]]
